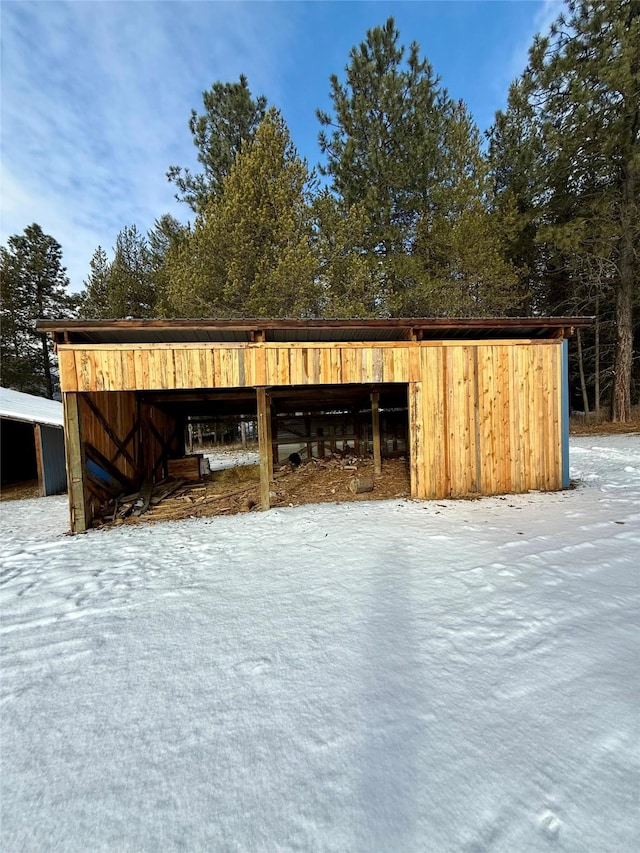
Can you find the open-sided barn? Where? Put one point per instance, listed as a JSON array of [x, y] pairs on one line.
[[484, 402], [32, 441]]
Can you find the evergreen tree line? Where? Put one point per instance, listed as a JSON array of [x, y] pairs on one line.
[[413, 213]]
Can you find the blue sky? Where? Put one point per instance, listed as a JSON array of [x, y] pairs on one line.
[[96, 96]]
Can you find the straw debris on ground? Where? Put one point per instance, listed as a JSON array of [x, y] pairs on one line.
[[234, 490]]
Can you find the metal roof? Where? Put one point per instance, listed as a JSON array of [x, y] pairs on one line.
[[243, 330], [34, 410]]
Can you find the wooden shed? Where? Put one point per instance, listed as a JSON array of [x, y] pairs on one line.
[[485, 400], [32, 441]]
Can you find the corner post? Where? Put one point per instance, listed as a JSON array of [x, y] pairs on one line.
[[76, 469]]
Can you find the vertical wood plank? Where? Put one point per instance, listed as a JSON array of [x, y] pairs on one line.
[[206, 368], [448, 439], [271, 366], [346, 358], [503, 422], [416, 430], [115, 370], [260, 377], [67, 367], [401, 364], [336, 366], [284, 374], [414, 363], [378, 365], [215, 367], [540, 457], [128, 371], [476, 420], [515, 438], [388, 365], [226, 368], [325, 369], [486, 407], [315, 366], [357, 365]]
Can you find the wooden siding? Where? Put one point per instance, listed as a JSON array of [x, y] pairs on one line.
[[484, 417], [145, 367], [126, 440]]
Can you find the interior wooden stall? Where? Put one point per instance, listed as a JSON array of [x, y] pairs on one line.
[[481, 405]]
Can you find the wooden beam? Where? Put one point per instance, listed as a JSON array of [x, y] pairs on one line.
[[375, 422], [264, 445], [76, 472]]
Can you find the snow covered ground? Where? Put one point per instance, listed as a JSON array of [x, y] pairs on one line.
[[396, 676]]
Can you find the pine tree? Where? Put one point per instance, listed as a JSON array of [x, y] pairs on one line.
[[348, 276], [461, 238], [131, 288], [383, 146], [95, 296], [163, 242], [411, 158], [34, 285], [578, 108], [250, 251], [231, 117]]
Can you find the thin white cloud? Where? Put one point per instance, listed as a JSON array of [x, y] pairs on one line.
[[546, 13], [95, 103]]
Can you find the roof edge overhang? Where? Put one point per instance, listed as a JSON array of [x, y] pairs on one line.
[[249, 330]]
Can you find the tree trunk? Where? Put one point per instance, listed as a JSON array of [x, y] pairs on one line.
[[621, 397], [583, 384], [596, 391], [47, 367]]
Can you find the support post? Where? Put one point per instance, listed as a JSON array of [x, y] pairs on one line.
[[265, 446], [275, 453], [37, 435], [76, 469], [307, 429], [375, 422]]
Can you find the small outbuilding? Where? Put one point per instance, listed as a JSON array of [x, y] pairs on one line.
[[32, 441], [480, 404]]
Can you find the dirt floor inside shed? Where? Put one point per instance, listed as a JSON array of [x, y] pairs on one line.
[[234, 490], [20, 491]]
